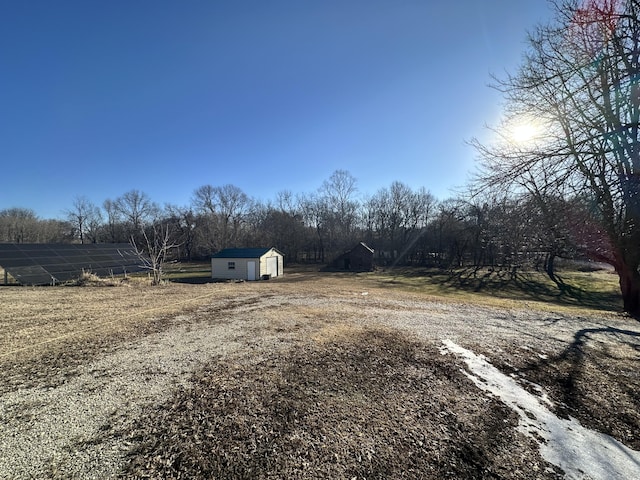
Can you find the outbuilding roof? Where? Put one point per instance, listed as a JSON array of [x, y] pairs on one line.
[[365, 246], [242, 252]]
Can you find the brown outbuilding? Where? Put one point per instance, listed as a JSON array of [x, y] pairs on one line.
[[358, 259]]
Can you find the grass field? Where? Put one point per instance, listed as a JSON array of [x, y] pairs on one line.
[[593, 290], [312, 375], [597, 289]]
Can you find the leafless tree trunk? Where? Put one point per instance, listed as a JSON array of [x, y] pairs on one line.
[[183, 221], [153, 254], [136, 209], [85, 218], [18, 225], [579, 84], [113, 220], [225, 208], [338, 196], [314, 214]]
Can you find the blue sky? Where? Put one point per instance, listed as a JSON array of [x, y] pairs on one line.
[[98, 98]]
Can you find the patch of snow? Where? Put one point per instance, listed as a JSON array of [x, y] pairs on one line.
[[538, 389], [582, 453]]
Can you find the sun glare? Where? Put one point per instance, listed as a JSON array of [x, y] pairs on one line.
[[524, 131]]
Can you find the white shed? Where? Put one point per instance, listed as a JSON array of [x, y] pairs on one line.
[[247, 263]]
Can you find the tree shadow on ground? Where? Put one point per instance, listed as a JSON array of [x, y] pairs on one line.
[[195, 280], [512, 283], [594, 379]]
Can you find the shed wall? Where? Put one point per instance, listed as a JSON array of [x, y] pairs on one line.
[[220, 268], [358, 259], [263, 263]]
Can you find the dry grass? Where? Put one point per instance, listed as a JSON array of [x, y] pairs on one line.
[[10, 279], [39, 320], [88, 279], [47, 332], [331, 375], [361, 404], [596, 290]]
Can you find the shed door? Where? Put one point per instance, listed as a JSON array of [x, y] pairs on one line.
[[272, 266], [251, 270]]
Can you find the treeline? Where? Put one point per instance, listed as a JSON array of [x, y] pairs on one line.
[[569, 186], [403, 225]]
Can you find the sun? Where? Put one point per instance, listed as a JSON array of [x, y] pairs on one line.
[[524, 130]]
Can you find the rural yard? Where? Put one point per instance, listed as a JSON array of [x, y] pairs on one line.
[[312, 376]]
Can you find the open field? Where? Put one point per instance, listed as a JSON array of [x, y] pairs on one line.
[[314, 376]]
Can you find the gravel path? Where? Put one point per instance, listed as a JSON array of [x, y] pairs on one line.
[[67, 431], [59, 432]]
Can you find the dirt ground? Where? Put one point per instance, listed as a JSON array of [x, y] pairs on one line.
[[308, 376]]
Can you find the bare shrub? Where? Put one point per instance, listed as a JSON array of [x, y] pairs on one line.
[[89, 279]]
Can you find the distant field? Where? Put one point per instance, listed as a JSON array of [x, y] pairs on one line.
[[596, 290], [313, 375]]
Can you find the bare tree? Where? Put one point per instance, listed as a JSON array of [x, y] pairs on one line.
[[280, 226], [450, 231], [204, 199], [314, 213], [579, 84], [136, 209], [18, 225], [339, 191], [233, 204], [225, 208], [285, 201], [398, 216], [113, 221], [183, 221], [85, 218], [153, 254], [341, 207]]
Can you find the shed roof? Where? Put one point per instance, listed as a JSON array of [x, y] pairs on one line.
[[362, 244], [242, 252]]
